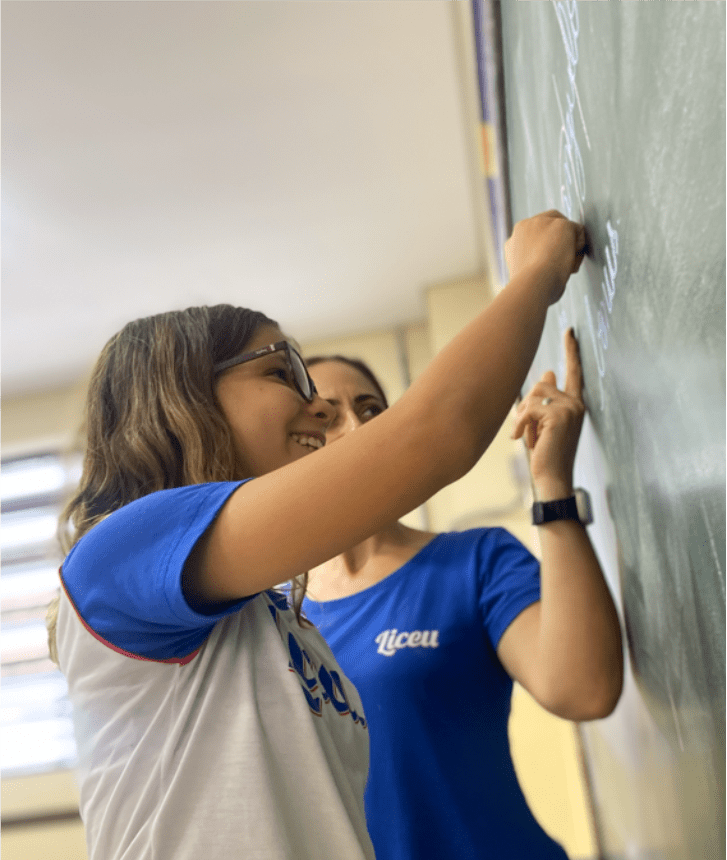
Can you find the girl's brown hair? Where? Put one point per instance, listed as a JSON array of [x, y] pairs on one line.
[[152, 420]]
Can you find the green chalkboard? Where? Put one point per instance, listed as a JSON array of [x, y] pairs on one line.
[[615, 114]]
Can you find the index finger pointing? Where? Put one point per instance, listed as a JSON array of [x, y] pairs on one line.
[[573, 372]]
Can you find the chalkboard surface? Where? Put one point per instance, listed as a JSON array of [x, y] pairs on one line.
[[615, 114]]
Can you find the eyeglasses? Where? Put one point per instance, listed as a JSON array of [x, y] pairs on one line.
[[296, 367]]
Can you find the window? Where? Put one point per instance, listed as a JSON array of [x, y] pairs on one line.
[[35, 715]]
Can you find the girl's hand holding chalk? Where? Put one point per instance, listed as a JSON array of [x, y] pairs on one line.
[[548, 243]]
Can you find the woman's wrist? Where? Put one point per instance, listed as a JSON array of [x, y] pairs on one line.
[[552, 489]]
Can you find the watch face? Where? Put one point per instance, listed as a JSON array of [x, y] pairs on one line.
[[538, 514], [583, 503]]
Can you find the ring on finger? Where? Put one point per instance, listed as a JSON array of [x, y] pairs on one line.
[[546, 401]]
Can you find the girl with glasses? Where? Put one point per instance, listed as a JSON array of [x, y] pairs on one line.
[[433, 628], [212, 720]]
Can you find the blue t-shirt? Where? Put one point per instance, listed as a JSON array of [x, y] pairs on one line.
[[420, 648], [125, 576]]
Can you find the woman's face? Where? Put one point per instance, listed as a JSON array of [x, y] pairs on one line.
[[271, 423], [353, 396]]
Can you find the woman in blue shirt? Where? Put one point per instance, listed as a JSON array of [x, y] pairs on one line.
[[432, 629]]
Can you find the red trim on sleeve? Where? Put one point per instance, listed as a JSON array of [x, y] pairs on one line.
[[182, 661]]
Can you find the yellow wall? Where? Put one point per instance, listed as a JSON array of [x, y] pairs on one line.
[[41, 795], [44, 420], [545, 748]]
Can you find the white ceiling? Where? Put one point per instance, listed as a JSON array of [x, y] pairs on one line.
[[309, 159]]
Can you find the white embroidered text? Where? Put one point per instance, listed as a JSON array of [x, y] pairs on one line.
[[390, 641]]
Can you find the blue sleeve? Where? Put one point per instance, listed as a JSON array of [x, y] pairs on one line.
[[124, 577], [509, 581]]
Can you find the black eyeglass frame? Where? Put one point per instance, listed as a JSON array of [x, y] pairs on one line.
[[286, 348]]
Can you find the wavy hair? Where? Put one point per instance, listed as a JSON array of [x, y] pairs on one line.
[[152, 420]]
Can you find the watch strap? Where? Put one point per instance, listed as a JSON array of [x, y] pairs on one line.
[[577, 507], [560, 509]]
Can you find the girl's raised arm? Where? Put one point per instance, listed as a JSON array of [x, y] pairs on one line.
[[298, 516]]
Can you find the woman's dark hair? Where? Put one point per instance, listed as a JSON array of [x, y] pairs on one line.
[[152, 420], [357, 364]]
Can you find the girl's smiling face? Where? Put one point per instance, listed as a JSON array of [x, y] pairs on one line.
[[353, 396], [271, 423]]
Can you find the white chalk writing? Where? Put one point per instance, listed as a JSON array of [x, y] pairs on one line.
[[573, 187], [599, 332], [572, 174]]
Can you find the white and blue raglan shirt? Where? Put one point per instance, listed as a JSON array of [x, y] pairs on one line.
[[420, 646], [202, 737]]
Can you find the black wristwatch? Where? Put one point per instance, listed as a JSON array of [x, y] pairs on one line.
[[577, 507]]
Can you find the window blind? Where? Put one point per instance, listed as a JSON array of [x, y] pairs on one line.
[[35, 714]]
